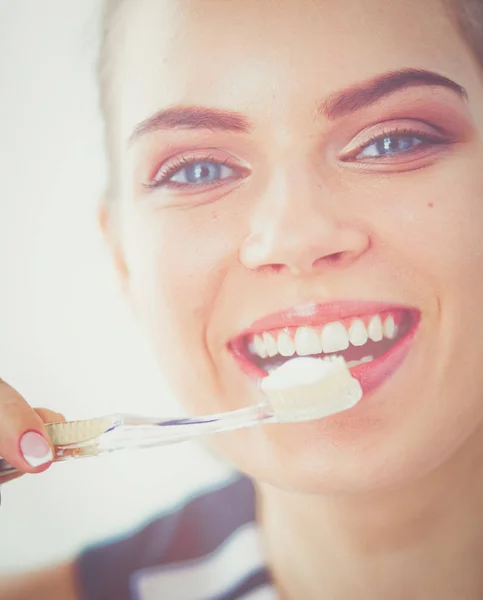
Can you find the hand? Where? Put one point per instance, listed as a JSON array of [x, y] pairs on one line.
[[24, 441]]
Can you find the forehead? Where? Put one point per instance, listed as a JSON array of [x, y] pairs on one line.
[[260, 56]]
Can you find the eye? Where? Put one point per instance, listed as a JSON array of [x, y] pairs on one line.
[[396, 146], [392, 144], [197, 172], [201, 172]]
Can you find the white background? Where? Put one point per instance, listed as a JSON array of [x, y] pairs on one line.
[[67, 341]]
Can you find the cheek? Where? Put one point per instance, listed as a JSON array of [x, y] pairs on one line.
[[173, 258], [436, 224], [177, 262]]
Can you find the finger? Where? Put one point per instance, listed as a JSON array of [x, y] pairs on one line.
[[24, 441], [49, 416]]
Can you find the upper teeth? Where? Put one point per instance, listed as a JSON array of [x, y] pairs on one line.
[[390, 328], [307, 341], [286, 346], [358, 333], [332, 337], [375, 329]]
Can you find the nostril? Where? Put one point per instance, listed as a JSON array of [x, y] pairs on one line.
[[335, 258], [277, 267]]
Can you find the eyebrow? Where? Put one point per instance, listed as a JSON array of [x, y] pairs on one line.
[[192, 117], [364, 94], [334, 106]]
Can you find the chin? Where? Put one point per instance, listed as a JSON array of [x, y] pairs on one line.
[[343, 454]]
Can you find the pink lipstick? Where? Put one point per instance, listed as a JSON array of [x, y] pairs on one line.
[[373, 337]]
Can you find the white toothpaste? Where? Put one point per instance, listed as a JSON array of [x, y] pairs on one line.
[[306, 388]]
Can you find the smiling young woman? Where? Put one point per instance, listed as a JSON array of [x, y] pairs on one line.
[[288, 178]]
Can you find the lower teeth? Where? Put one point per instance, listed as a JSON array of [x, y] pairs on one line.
[[350, 365], [356, 363]]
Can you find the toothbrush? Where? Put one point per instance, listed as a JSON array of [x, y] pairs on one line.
[[302, 389]]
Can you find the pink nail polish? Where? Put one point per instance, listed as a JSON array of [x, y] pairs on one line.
[[35, 449]]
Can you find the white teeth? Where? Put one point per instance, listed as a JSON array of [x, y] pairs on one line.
[[355, 363], [358, 333], [375, 330], [270, 345], [334, 337], [259, 347], [286, 346], [307, 341], [390, 329]]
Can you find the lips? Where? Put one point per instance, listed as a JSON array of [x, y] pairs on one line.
[[373, 337]]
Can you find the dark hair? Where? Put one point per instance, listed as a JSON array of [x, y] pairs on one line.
[[468, 17], [466, 14]]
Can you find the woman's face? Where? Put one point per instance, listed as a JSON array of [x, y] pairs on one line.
[[287, 165]]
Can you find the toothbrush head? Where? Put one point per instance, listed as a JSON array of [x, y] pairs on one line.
[[70, 433], [308, 388]]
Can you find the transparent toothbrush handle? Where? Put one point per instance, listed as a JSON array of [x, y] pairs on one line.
[[135, 432], [131, 432]]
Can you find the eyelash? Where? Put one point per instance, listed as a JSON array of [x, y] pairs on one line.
[[425, 136], [163, 174]]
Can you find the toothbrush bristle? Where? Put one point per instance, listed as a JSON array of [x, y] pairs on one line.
[[77, 432], [313, 395]]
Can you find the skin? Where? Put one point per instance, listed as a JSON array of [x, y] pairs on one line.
[[304, 226], [382, 488]]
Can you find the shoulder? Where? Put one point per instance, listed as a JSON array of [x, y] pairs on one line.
[[194, 530]]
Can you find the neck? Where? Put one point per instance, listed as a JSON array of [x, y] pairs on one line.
[[421, 541]]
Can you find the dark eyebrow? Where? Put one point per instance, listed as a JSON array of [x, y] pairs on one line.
[[192, 117], [367, 93], [336, 105]]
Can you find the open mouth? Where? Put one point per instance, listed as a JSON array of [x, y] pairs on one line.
[[363, 341]]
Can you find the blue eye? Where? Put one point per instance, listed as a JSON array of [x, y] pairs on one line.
[[201, 172], [391, 144]]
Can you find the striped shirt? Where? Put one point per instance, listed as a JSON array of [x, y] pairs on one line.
[[208, 550]]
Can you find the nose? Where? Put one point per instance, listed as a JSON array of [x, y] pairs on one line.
[[301, 233]]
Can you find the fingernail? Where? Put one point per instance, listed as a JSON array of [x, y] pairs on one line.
[[35, 449]]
